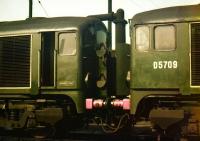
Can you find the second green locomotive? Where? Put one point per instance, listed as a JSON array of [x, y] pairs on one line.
[[165, 68]]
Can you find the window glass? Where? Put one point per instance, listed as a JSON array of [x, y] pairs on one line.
[[165, 38], [67, 44], [101, 37], [142, 38]]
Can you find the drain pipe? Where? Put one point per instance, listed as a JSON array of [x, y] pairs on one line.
[[110, 23], [120, 22], [30, 9], [121, 52]]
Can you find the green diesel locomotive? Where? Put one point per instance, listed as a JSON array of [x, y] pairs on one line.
[[165, 68], [47, 64], [49, 67], [62, 72]]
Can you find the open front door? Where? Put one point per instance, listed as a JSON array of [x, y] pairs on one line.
[[67, 60]]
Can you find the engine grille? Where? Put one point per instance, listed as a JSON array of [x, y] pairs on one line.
[[15, 61], [195, 54]]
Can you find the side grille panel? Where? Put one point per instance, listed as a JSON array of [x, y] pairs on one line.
[[15, 61], [195, 54]]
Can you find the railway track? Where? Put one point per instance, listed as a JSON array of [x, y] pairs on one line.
[[138, 138], [5, 136], [90, 136]]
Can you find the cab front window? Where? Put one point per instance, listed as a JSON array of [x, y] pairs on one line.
[[101, 36], [164, 38], [142, 38]]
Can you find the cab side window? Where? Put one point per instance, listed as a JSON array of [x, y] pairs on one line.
[[67, 43]]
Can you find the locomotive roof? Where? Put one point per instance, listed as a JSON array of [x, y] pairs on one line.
[[170, 14], [44, 24]]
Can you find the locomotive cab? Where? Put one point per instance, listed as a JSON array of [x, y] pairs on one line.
[[164, 66], [156, 57]]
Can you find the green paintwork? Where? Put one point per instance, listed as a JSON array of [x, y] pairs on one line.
[[122, 68], [167, 15], [145, 79], [36, 47], [66, 68], [144, 74], [75, 95]]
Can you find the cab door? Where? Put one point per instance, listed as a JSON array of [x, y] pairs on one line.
[[67, 60]]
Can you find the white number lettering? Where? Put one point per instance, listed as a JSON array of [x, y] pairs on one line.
[[155, 65], [165, 64], [175, 64], [170, 64], [160, 64]]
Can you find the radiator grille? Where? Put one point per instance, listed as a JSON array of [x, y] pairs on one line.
[[195, 54], [15, 61]]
